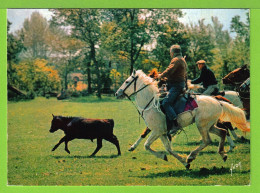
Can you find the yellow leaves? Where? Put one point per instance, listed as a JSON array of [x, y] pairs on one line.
[[146, 61], [32, 73], [108, 27], [114, 74], [122, 55], [141, 22]]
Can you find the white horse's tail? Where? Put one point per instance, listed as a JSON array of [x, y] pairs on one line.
[[235, 115]]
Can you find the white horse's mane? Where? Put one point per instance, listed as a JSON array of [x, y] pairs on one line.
[[148, 80]]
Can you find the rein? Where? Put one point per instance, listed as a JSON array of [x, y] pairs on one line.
[[135, 92], [234, 83]]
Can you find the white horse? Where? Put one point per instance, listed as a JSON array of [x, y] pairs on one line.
[[205, 116], [233, 97]]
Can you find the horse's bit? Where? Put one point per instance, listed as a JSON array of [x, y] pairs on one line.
[[135, 92]]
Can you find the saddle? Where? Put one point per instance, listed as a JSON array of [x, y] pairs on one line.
[[184, 102], [217, 92]]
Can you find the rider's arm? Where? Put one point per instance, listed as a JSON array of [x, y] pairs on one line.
[[197, 80], [170, 70]]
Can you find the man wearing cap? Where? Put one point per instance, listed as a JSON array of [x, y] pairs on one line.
[[207, 78], [176, 76]]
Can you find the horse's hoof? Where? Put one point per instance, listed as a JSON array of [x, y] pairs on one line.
[[225, 158], [189, 160], [131, 149], [165, 158], [231, 148], [187, 166]]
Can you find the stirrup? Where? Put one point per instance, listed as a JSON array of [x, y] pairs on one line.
[[173, 131], [174, 128]]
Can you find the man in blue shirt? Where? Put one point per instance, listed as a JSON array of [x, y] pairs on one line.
[[207, 78]]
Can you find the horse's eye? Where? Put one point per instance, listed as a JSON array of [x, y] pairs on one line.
[[126, 82]]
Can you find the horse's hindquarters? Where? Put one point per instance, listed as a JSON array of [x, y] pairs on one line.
[[186, 118]]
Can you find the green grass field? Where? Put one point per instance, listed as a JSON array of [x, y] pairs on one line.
[[31, 161]]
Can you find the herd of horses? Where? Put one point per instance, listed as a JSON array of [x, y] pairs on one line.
[[214, 114]]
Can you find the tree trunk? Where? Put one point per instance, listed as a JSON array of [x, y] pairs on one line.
[[66, 77], [93, 57], [88, 61], [89, 77]]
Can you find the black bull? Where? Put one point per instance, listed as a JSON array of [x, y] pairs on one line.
[[81, 128]]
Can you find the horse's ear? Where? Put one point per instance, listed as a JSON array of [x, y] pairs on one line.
[[53, 115], [134, 71], [244, 66]]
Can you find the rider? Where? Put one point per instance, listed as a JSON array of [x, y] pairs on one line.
[[176, 76], [207, 78]]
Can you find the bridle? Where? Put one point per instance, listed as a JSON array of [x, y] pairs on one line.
[[134, 80], [245, 85], [244, 88], [236, 83]]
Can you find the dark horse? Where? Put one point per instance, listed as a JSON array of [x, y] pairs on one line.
[[238, 78], [82, 128]]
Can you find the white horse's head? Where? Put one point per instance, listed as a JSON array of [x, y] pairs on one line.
[[132, 84]]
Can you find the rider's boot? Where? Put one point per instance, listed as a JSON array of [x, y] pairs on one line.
[[175, 127]]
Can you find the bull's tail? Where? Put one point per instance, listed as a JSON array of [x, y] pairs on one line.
[[235, 115]]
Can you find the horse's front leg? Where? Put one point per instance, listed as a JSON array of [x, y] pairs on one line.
[[167, 146], [149, 141], [143, 135]]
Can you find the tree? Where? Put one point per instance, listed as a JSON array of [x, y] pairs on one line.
[[37, 77], [14, 47], [130, 33], [241, 51], [242, 29], [201, 45], [223, 46], [115, 76], [67, 48], [168, 31], [35, 32], [85, 26]]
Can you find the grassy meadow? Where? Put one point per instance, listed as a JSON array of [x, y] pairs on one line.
[[31, 161]]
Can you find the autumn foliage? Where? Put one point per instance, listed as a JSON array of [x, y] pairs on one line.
[[37, 76]]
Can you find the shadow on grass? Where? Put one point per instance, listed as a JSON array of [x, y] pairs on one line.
[[94, 99], [85, 157], [243, 140], [197, 143], [200, 153], [201, 173]]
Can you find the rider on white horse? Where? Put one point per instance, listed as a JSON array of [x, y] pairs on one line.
[[207, 78], [176, 76]]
